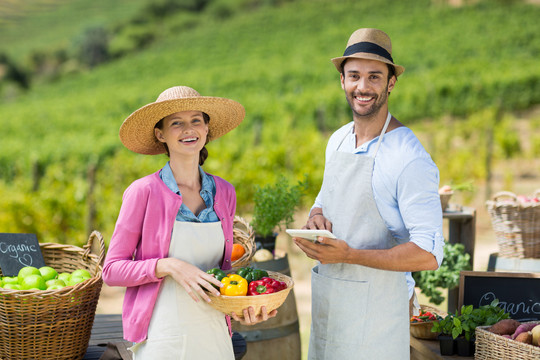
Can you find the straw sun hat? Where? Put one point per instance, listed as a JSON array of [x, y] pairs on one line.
[[137, 131], [371, 44]]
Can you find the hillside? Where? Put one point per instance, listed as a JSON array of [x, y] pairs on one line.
[[61, 159]]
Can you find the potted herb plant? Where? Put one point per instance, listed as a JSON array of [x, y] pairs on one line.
[[431, 282], [275, 205], [470, 318], [445, 327], [462, 328]]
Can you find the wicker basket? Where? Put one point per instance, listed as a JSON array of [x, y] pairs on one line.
[[53, 324], [516, 225], [423, 330], [445, 199], [491, 346], [244, 235], [229, 304]]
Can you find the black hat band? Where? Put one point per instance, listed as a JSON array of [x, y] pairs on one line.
[[368, 47]]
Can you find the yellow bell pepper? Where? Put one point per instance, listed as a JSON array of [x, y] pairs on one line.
[[235, 285]]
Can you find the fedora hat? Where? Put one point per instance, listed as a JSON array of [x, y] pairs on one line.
[[137, 131], [371, 44]]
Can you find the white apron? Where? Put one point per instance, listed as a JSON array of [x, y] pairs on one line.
[[357, 312], [180, 328]]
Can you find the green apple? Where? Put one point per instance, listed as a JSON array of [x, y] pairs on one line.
[[82, 273], [55, 287], [33, 282], [64, 277], [10, 280], [27, 271], [73, 280], [55, 282], [48, 273], [12, 286]]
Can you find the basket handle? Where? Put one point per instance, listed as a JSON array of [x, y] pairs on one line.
[[88, 247], [503, 194]]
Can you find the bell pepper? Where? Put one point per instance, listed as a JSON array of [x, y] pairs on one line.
[[218, 274], [234, 285], [265, 285], [251, 274]]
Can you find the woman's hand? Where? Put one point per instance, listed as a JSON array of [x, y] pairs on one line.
[[190, 277], [251, 319]]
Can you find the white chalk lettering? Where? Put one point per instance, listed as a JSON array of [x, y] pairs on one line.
[[13, 250], [523, 307]]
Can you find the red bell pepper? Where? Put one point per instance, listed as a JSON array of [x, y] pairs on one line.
[[265, 285]]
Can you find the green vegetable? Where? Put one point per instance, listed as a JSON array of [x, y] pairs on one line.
[[251, 274], [218, 274], [275, 205], [465, 324], [446, 276]]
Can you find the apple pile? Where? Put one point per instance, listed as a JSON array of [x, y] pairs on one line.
[[44, 278], [526, 199]]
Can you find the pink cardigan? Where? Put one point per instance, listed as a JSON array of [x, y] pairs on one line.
[[142, 236]]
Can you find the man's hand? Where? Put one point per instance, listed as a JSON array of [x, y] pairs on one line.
[[325, 250], [317, 221]]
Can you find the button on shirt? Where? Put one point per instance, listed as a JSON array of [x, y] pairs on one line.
[[405, 187], [208, 192]]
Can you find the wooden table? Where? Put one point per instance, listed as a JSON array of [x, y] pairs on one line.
[[429, 350], [107, 328]]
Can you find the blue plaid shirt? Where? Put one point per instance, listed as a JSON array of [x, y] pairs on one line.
[[208, 192]]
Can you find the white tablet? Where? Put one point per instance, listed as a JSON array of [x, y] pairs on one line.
[[310, 234]]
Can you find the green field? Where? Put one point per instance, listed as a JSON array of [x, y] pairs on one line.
[[468, 69]]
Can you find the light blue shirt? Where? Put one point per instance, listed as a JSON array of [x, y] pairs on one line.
[[405, 187], [208, 192]]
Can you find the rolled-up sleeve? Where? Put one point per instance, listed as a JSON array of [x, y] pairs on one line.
[[420, 205]]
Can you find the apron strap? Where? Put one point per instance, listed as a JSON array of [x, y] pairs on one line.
[[388, 118], [387, 121]]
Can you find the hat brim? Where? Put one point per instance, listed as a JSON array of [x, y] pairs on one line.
[[369, 56], [137, 131]]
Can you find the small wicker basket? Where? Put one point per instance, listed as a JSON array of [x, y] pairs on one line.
[[445, 199], [236, 304], [244, 235], [53, 324], [423, 330], [516, 225], [491, 346]]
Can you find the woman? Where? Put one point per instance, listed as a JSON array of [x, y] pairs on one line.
[[173, 226]]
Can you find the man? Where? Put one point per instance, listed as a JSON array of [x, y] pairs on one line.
[[380, 199]]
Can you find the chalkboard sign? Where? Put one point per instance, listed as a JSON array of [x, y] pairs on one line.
[[518, 293], [18, 251]]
